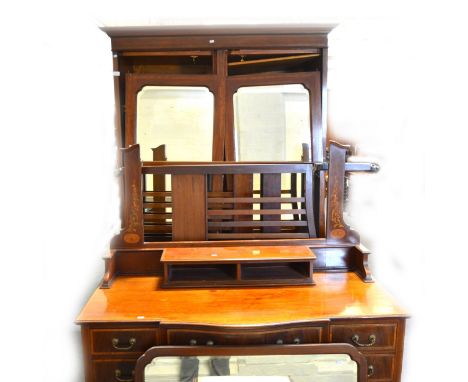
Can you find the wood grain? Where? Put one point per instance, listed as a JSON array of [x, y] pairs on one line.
[[234, 254], [335, 295], [188, 207]]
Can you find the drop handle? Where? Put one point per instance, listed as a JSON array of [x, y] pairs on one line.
[[118, 376], [193, 342], [370, 370], [371, 341], [296, 341], [279, 342], [209, 343], [116, 341]]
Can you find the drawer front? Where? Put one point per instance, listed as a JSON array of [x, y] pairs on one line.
[[366, 337], [380, 367], [271, 337], [114, 371], [295, 336], [120, 341]]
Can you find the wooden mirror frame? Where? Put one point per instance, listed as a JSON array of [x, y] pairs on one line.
[[191, 351], [310, 81]]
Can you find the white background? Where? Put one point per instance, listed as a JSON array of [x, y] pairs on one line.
[[398, 93]]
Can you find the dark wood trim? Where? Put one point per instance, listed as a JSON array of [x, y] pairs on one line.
[[360, 256], [216, 41], [310, 80], [223, 169], [191, 351], [110, 270]]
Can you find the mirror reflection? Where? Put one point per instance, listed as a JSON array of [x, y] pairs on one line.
[[271, 368], [276, 114], [168, 115]]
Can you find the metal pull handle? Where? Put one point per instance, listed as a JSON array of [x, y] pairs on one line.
[[370, 370], [131, 344], [193, 342], [372, 339], [297, 341], [279, 342], [209, 343], [118, 376]]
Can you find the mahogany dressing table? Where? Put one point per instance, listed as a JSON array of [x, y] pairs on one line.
[[232, 206]]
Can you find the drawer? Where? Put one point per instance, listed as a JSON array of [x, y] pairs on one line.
[[120, 341], [366, 336], [114, 371], [380, 367], [244, 337]]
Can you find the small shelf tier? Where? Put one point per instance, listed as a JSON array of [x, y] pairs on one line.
[[237, 266]]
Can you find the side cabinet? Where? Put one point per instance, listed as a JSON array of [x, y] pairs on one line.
[[111, 350], [379, 340]]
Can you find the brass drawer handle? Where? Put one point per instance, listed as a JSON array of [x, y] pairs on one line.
[[209, 343], [279, 342], [370, 370], [296, 341], [118, 376], [131, 344], [372, 339], [192, 342]]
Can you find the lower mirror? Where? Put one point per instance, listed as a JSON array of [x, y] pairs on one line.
[[272, 368], [222, 364]]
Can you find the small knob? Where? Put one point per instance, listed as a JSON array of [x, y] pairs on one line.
[[279, 342], [209, 343], [370, 370], [193, 342], [297, 341]]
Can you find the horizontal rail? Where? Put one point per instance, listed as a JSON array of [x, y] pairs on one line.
[[257, 235], [258, 223], [156, 217], [157, 204], [265, 199], [157, 193], [228, 169], [255, 212], [158, 228], [319, 166]]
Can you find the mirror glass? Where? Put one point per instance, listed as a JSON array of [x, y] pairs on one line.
[[264, 368], [271, 123], [178, 117]]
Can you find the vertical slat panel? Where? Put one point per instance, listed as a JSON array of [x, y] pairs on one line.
[[243, 187], [307, 185], [159, 180], [271, 186], [188, 207]]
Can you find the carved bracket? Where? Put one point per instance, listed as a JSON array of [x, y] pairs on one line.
[[337, 230], [132, 223]]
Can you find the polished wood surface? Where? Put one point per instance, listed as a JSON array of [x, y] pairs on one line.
[[336, 295], [234, 254]]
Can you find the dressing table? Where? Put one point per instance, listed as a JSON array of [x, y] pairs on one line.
[[232, 207]]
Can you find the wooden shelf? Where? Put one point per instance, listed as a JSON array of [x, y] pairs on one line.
[[237, 266]]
